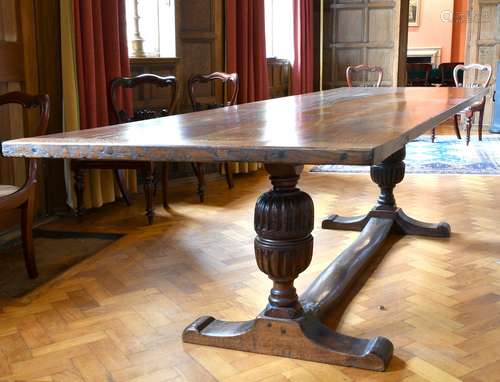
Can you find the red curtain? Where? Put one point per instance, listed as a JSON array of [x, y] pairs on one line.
[[302, 70], [101, 55], [246, 48]]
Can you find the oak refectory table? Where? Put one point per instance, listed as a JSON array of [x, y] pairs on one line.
[[359, 126]]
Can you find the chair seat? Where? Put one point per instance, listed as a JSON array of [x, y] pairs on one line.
[[6, 189], [475, 105]]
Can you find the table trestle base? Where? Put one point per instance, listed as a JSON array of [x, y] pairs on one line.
[[386, 175], [305, 338], [291, 326]]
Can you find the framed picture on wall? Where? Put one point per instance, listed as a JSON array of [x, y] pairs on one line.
[[414, 14]]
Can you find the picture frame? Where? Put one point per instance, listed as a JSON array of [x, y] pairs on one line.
[[414, 13]]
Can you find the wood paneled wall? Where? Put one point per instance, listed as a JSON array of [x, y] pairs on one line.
[[30, 62], [201, 43], [12, 78], [17, 56], [278, 72], [483, 41], [48, 48], [364, 31]]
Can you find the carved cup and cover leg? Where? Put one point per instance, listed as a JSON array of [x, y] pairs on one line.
[[284, 220], [387, 175]]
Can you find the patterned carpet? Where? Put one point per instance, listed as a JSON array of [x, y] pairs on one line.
[[447, 155]]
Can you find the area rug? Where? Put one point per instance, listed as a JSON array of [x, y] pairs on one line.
[[56, 251], [448, 155]]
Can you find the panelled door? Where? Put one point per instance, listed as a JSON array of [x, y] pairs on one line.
[[483, 40], [365, 31]]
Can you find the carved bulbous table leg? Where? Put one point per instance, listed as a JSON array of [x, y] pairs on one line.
[[387, 175], [284, 219]]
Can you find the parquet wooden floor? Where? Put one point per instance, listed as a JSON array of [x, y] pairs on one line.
[[119, 315]]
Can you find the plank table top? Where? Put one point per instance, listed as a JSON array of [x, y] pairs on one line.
[[356, 126]]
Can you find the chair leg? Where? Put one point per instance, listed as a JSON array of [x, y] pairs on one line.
[[27, 236], [469, 127], [457, 126], [123, 191], [148, 191], [229, 175], [480, 124], [164, 184], [433, 136], [79, 185], [199, 171], [157, 178]]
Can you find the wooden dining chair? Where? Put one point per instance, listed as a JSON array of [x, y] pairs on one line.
[[363, 74], [472, 81], [12, 197], [149, 170], [198, 104], [419, 74]]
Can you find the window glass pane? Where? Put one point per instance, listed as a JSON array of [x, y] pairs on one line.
[[269, 27], [130, 24], [279, 29], [156, 26], [166, 21], [148, 24]]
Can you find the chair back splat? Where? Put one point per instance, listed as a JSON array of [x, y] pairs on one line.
[[364, 75], [225, 78], [479, 75], [143, 113]]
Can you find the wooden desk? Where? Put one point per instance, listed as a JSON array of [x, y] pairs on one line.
[[343, 126]]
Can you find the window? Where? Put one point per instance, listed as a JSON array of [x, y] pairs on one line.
[[279, 29], [155, 30]]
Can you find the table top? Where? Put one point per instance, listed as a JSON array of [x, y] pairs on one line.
[[358, 126]]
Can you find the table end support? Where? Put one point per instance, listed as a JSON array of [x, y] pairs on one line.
[[289, 327], [387, 175], [305, 338]]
